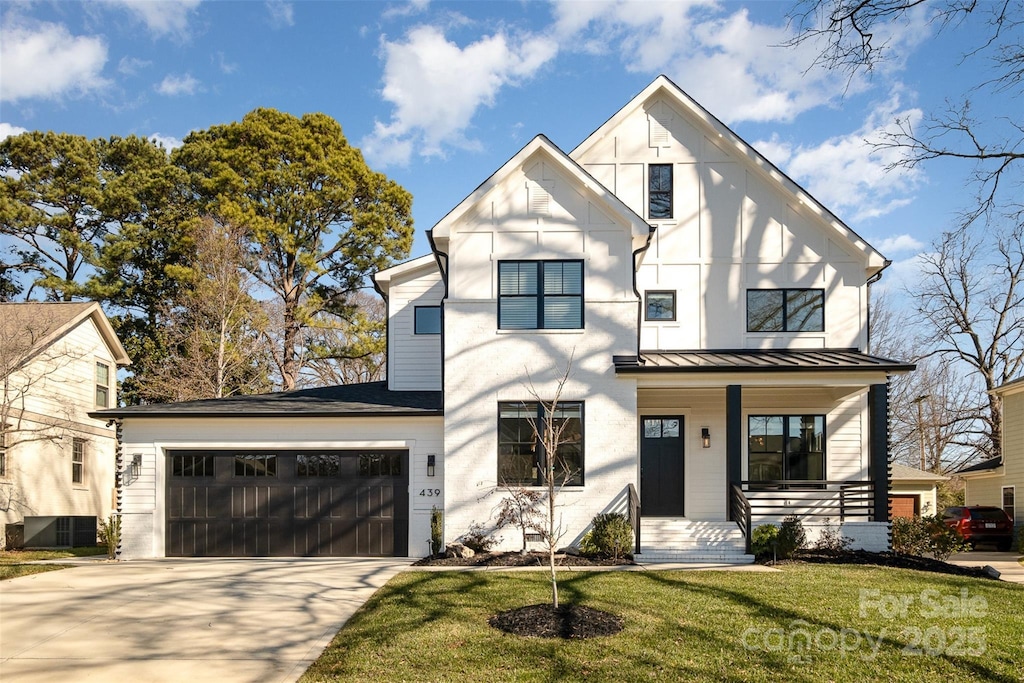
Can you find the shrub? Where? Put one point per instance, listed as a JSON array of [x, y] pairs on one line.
[[925, 536], [1020, 540], [109, 533], [792, 536], [764, 540], [478, 539], [586, 545], [831, 538], [612, 534], [436, 530]]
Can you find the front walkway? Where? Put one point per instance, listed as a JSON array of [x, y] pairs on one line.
[[1009, 568], [194, 620]]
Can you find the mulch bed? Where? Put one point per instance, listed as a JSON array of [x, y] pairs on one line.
[[515, 559], [569, 622], [888, 559]]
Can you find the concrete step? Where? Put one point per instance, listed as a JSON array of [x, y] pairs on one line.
[[692, 556], [666, 539]]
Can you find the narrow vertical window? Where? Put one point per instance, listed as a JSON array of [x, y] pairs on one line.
[[3, 449], [102, 385], [659, 191], [77, 460]]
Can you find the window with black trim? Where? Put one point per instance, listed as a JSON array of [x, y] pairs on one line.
[[1008, 504], [660, 305], [77, 460], [785, 448], [521, 457], [659, 191], [427, 320], [102, 385], [785, 310], [255, 465], [540, 295]]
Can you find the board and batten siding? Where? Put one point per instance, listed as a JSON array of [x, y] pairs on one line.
[[414, 360], [733, 229], [537, 211], [144, 499]]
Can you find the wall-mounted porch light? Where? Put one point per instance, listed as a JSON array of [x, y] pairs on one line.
[[705, 437], [430, 465]]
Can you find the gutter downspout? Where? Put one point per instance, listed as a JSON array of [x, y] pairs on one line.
[[640, 300], [871, 280]]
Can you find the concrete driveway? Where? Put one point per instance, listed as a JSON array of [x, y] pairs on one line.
[[1009, 568], [189, 620]]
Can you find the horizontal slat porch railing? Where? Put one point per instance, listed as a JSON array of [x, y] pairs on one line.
[[805, 498]]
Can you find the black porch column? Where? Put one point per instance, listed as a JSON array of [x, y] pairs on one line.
[[878, 449], [733, 440]]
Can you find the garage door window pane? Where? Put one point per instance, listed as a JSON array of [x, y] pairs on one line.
[[192, 466], [317, 465], [251, 465], [380, 465]]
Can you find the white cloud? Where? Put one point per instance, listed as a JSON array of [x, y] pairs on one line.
[[224, 65], [408, 9], [161, 17], [7, 130], [845, 173], [130, 66], [899, 244], [282, 13], [173, 86], [168, 142], [44, 60], [436, 87], [701, 47]]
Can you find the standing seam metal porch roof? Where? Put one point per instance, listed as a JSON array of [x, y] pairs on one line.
[[762, 360]]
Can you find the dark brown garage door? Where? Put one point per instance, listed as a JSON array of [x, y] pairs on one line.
[[287, 503]]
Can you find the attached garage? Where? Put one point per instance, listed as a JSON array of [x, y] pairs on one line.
[[344, 471], [280, 503]]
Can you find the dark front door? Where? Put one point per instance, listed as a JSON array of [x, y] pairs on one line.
[[661, 466]]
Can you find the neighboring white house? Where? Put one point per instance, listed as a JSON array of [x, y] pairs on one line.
[[715, 318], [997, 481], [59, 362], [913, 492]]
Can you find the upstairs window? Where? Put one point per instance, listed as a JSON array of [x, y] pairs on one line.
[[77, 460], [540, 295], [102, 385], [427, 320], [659, 191], [521, 457], [660, 306], [785, 310], [786, 448]]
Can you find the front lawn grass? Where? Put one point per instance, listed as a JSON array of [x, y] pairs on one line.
[[801, 624], [13, 562]]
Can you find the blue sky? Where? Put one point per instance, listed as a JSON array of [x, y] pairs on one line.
[[440, 94]]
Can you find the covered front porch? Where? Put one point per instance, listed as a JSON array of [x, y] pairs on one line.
[[733, 439]]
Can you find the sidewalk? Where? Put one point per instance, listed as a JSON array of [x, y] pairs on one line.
[[1005, 563]]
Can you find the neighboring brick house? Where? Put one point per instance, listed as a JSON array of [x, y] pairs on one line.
[[1000, 481], [715, 315], [59, 361]]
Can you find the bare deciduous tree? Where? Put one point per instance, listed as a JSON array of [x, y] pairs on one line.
[[214, 332]]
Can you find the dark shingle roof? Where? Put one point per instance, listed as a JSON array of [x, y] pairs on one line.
[[983, 466], [765, 360], [372, 399]]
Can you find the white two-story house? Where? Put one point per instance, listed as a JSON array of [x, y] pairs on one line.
[[712, 316]]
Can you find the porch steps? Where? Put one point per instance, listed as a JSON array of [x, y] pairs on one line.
[[671, 539]]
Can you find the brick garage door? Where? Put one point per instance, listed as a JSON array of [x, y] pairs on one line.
[[287, 503], [904, 506]]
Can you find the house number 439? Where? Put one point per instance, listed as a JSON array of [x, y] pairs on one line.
[[431, 493]]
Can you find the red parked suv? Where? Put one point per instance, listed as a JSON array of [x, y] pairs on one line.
[[981, 524]]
